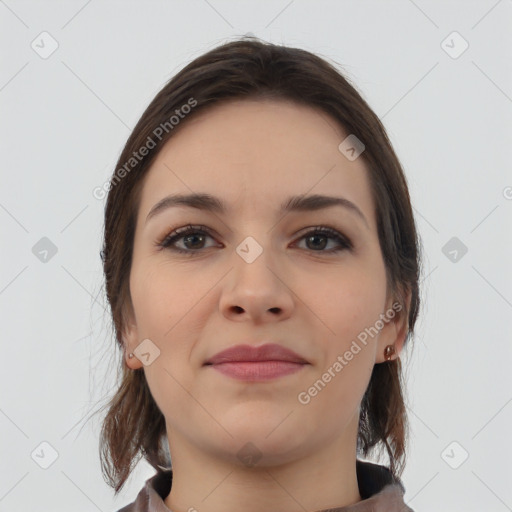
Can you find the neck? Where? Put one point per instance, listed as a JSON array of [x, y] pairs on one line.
[[322, 479]]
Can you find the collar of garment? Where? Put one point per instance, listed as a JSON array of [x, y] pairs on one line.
[[379, 492]]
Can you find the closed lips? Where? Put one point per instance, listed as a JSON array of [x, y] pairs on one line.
[[248, 353]]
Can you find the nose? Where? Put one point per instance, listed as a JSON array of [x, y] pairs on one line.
[[256, 290]]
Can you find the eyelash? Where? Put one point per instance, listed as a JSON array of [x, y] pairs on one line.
[[172, 237]]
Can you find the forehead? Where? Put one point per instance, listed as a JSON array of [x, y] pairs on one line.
[[255, 153]]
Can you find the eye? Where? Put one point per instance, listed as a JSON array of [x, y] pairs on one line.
[[318, 239], [193, 239]]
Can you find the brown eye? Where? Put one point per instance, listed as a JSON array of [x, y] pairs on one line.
[[191, 237], [318, 238]]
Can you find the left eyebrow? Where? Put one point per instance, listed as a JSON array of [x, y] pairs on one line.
[[207, 202]]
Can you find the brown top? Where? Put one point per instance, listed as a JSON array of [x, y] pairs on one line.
[[377, 488]]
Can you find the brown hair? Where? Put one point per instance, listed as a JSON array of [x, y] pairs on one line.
[[249, 68]]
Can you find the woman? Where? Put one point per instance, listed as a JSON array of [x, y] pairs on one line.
[[261, 263]]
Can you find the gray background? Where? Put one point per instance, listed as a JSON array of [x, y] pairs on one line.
[[65, 119]]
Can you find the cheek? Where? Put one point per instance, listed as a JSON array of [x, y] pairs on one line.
[[346, 302], [170, 307], [346, 354], [164, 299], [164, 303], [348, 305]]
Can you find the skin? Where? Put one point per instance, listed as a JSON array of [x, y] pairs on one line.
[[254, 155]]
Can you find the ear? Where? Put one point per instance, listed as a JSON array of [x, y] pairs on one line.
[[396, 327], [130, 336]]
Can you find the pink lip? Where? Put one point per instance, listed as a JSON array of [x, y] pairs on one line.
[[248, 353], [245, 362], [258, 370]]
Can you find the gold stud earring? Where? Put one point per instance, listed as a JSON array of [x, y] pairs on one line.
[[389, 352]]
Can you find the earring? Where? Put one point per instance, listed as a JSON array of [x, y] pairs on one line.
[[388, 352], [130, 356]]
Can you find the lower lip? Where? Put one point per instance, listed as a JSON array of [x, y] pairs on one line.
[[257, 370]]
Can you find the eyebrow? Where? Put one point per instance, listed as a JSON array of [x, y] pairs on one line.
[[207, 202]]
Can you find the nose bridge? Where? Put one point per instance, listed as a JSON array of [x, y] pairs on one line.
[[253, 256], [254, 285], [254, 235]]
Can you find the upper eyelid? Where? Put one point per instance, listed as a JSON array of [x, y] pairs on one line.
[[182, 230], [178, 233]]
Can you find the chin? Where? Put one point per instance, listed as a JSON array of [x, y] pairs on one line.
[[270, 442]]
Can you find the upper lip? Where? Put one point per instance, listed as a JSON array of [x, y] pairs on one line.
[[247, 353]]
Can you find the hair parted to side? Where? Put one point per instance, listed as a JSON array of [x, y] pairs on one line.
[[249, 68]]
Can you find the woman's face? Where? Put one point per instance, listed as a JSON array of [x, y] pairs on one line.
[[253, 274]]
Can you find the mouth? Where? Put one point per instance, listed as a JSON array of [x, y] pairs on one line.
[[248, 353], [251, 363], [257, 370]]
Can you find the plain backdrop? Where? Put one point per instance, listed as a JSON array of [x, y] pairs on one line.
[[76, 76]]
